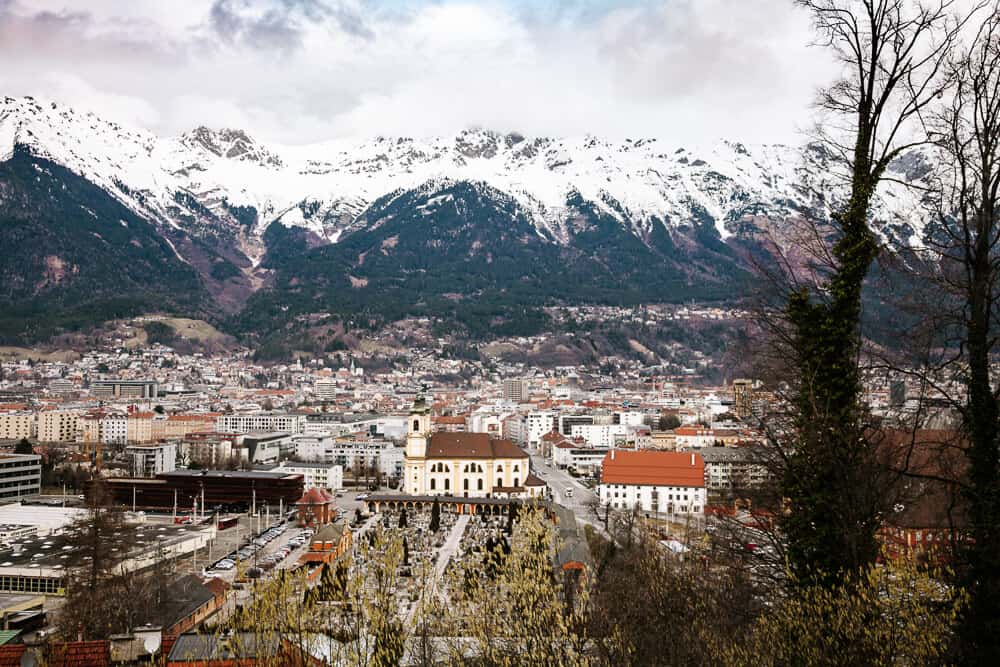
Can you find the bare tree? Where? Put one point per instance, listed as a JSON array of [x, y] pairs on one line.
[[894, 55], [966, 262]]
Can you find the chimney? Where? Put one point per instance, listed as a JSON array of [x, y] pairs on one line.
[[612, 455], [692, 458]]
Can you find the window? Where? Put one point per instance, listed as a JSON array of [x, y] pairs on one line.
[[465, 484], [516, 480], [499, 482], [479, 484], [433, 484], [416, 425], [447, 484], [517, 468]]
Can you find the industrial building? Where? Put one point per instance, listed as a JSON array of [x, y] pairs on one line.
[[190, 489]]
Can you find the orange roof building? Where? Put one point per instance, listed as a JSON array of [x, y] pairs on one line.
[[670, 483]]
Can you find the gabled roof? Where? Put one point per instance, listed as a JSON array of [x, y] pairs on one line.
[[533, 480], [471, 446], [331, 532], [653, 468], [315, 496]]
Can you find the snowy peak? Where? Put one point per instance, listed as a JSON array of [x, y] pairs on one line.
[[225, 182], [230, 144]]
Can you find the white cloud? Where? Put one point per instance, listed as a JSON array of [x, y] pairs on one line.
[[305, 70]]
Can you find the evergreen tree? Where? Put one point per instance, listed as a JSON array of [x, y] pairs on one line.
[[435, 516]]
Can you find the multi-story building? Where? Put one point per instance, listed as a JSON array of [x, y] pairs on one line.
[[743, 398], [567, 422], [355, 453], [321, 475], [17, 425], [514, 390], [210, 450], [386, 426], [151, 460], [139, 427], [733, 469], [178, 426], [112, 389], [114, 429], [671, 483], [20, 475], [325, 390], [58, 426], [537, 424], [267, 448], [601, 435], [261, 422]]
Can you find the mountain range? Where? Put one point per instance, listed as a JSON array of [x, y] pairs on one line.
[[480, 229]]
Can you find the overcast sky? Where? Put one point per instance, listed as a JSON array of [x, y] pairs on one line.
[[300, 71]]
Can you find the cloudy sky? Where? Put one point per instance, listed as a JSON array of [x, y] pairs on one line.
[[298, 71]]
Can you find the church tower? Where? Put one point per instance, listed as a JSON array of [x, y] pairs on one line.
[[418, 429]]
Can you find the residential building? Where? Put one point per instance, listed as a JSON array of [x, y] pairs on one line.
[[140, 427], [17, 425], [267, 448], [601, 435], [318, 475], [743, 398], [151, 460], [58, 426], [261, 422], [671, 483], [514, 390], [734, 469], [210, 450]]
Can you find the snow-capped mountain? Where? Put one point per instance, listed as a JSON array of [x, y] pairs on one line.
[[215, 194], [324, 187]]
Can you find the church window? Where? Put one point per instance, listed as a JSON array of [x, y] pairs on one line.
[[433, 484], [416, 425], [479, 484], [516, 480], [465, 484], [499, 482], [447, 484], [517, 468]]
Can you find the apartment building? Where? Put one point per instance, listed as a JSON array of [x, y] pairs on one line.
[[58, 426], [151, 460], [17, 425], [320, 475], [261, 422]]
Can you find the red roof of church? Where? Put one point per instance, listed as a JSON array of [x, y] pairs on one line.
[[471, 446]]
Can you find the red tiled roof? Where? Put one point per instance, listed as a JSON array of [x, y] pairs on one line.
[[81, 654], [10, 655], [533, 480], [315, 496], [653, 468], [218, 586], [471, 446], [449, 420]]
